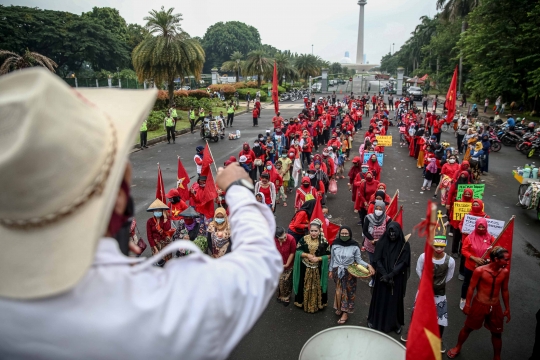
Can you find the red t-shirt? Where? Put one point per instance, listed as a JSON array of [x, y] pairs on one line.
[[286, 249]]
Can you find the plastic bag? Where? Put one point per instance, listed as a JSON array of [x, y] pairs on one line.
[[332, 187]]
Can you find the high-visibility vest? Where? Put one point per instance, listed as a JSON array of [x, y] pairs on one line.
[[143, 127], [192, 114], [201, 113], [169, 121], [173, 112], [230, 109]]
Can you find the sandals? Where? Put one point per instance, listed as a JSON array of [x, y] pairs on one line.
[[423, 188], [284, 204], [452, 353], [341, 321]]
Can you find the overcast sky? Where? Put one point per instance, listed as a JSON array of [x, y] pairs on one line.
[[331, 26]]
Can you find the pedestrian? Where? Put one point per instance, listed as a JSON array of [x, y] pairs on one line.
[[490, 282], [168, 126], [158, 229], [190, 227], [425, 103], [192, 119], [299, 225], [176, 206], [285, 171], [255, 116], [463, 127], [198, 158], [443, 271], [201, 115], [236, 97], [503, 107], [248, 99], [390, 102], [435, 101], [365, 188], [304, 193], [464, 99], [258, 106], [374, 167], [498, 103], [219, 234], [486, 105], [431, 170], [344, 252], [265, 186], [484, 160], [286, 245], [474, 246], [143, 134], [392, 260], [174, 114], [374, 226], [310, 274], [230, 114], [281, 196]]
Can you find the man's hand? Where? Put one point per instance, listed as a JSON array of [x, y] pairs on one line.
[[507, 315], [226, 176]]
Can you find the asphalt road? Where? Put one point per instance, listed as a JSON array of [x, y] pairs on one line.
[[281, 331]]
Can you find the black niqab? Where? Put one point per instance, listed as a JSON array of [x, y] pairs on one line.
[[391, 252]]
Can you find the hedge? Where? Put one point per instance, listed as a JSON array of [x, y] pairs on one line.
[[243, 93], [155, 120]]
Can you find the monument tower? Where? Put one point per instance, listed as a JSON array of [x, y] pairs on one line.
[[360, 42]]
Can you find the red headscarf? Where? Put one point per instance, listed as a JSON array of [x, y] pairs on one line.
[[274, 175], [480, 240], [469, 192], [374, 167], [475, 212]]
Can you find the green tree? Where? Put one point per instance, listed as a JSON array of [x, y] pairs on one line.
[[167, 52], [257, 63], [285, 67], [28, 59], [307, 65], [223, 39], [110, 19], [335, 68], [135, 34], [235, 64]]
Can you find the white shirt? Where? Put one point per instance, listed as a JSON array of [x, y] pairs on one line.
[[451, 266], [196, 307]]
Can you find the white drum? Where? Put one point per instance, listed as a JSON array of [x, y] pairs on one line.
[[352, 343]]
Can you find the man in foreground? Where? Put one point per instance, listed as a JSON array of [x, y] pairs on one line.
[[488, 280], [67, 288]]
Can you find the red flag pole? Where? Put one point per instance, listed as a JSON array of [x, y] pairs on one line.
[[275, 93]]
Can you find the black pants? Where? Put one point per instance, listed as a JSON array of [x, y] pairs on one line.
[[460, 142], [306, 156], [193, 123], [175, 119], [466, 283], [438, 135], [143, 136], [170, 133], [424, 106], [326, 136], [255, 121], [456, 241], [390, 105], [316, 142], [230, 118], [362, 214], [320, 140]]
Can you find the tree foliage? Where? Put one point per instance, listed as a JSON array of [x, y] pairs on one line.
[[14, 61], [257, 63]]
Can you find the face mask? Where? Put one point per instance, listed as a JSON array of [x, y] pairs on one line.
[[344, 238], [246, 148], [188, 221], [256, 144], [311, 176], [378, 212], [158, 213], [451, 161], [477, 208], [392, 235], [364, 170], [219, 221], [269, 167], [481, 232], [305, 185], [373, 160], [374, 144], [369, 178], [261, 139], [175, 199], [202, 186]]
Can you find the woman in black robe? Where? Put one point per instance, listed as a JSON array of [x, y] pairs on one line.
[[391, 261]]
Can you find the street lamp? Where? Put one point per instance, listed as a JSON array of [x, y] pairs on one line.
[[311, 49], [393, 48]]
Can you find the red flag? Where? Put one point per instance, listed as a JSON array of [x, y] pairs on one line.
[[318, 214], [275, 96], [505, 240], [399, 217], [333, 231], [393, 207], [451, 98], [182, 183], [210, 192], [424, 341], [160, 188]]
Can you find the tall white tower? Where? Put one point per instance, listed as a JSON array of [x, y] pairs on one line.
[[360, 44]]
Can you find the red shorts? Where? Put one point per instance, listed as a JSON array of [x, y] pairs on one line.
[[490, 315]]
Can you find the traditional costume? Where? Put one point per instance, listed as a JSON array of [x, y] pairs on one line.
[[219, 235]]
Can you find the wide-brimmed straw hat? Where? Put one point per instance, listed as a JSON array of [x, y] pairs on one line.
[[63, 154], [157, 205]]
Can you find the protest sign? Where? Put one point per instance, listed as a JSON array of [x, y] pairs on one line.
[[478, 190], [385, 140], [460, 210], [495, 227], [380, 157]]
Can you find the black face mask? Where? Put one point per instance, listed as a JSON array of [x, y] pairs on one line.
[[175, 199], [392, 235], [122, 236]]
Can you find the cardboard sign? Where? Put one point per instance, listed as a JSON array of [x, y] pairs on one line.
[[460, 210], [495, 227], [380, 157], [385, 140], [478, 190]]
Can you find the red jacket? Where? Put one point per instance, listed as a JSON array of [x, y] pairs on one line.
[[364, 191], [256, 113], [308, 145], [154, 235]]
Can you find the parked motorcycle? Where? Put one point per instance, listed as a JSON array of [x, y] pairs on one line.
[[210, 129], [495, 142], [510, 138]]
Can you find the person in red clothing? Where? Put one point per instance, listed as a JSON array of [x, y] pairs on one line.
[[464, 166], [374, 100], [334, 141], [255, 115], [366, 187], [197, 197], [379, 195], [198, 158], [250, 158], [158, 228], [304, 190], [448, 172], [474, 246], [286, 246], [275, 178], [322, 166], [437, 125], [329, 163], [353, 172], [176, 205], [277, 121], [374, 167], [301, 219], [307, 148], [456, 233], [477, 209]]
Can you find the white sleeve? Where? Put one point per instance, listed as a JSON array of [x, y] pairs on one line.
[[451, 268], [420, 265]]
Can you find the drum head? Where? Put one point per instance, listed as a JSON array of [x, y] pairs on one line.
[[351, 343]]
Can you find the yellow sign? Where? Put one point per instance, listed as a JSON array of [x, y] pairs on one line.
[[460, 210], [384, 140]]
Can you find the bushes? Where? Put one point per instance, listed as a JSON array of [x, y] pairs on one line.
[[281, 89], [228, 89], [252, 91], [155, 120], [198, 94]]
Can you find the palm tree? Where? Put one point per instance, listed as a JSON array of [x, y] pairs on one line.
[[258, 64], [457, 9], [285, 68], [235, 64], [307, 65], [28, 59], [167, 52]]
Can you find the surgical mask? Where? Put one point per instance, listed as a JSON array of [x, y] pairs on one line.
[[261, 139], [219, 221], [269, 167], [291, 154], [256, 144], [378, 212], [345, 238], [364, 170], [375, 144], [158, 213], [481, 232], [451, 161], [373, 160]]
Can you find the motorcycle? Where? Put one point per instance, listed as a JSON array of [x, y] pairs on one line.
[[495, 142], [285, 97], [527, 138], [210, 129], [510, 138], [534, 148]]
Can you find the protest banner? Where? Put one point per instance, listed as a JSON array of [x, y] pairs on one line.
[[460, 210], [495, 227], [380, 157], [385, 140], [478, 190]]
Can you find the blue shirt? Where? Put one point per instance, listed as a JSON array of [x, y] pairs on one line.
[[511, 122]]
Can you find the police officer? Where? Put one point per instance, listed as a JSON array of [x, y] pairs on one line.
[[169, 127], [230, 114]]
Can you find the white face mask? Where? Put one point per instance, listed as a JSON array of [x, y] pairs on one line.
[[311, 176], [378, 212], [451, 161]]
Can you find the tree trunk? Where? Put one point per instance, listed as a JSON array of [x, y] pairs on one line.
[[171, 92], [237, 74], [463, 26], [259, 80]]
